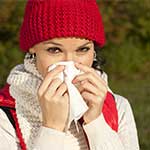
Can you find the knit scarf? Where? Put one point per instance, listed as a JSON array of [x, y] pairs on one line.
[[24, 80]]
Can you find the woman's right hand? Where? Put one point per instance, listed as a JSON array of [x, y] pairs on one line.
[[54, 100]]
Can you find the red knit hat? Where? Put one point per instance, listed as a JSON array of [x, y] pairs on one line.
[[47, 19]]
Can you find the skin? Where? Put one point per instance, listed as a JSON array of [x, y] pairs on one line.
[[52, 94]]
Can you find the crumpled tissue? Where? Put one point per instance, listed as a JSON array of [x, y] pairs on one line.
[[76, 103]]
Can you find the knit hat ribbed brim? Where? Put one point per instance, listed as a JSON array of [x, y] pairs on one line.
[[47, 19]]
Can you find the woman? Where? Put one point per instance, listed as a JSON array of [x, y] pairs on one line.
[[35, 102]]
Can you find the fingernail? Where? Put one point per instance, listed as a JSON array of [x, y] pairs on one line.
[[74, 81]]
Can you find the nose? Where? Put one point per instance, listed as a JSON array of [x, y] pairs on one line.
[[69, 57]]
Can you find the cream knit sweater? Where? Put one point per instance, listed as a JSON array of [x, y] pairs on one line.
[[25, 80]]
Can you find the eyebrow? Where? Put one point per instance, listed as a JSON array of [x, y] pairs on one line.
[[58, 44]]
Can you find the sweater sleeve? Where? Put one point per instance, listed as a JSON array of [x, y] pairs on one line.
[[49, 138], [102, 137], [8, 139]]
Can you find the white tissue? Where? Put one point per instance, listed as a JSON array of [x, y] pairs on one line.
[[77, 105]]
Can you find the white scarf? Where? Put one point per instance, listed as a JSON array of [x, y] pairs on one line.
[[24, 82]]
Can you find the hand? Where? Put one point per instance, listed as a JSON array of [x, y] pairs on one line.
[[53, 100], [93, 90]]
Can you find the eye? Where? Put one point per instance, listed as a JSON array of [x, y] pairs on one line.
[[83, 49], [54, 50]]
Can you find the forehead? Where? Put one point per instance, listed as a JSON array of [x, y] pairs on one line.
[[68, 40]]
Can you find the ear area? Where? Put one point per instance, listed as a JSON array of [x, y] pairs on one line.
[[32, 50]]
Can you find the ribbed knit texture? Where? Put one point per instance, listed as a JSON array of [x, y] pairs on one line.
[[47, 19]]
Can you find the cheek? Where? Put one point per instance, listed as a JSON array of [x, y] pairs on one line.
[[86, 59], [43, 62], [41, 65]]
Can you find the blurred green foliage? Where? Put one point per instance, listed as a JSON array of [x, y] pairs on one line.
[[127, 26], [127, 51], [10, 20]]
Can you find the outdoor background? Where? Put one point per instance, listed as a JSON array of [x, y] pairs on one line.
[[127, 52]]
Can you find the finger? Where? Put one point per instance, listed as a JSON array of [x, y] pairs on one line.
[[88, 97], [85, 76], [91, 99], [95, 80], [51, 90], [90, 88], [50, 75], [89, 76], [62, 89], [66, 96], [86, 69], [78, 86]]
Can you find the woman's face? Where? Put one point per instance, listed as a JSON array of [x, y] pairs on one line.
[[63, 49]]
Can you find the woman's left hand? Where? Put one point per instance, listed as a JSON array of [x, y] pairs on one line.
[[93, 90]]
